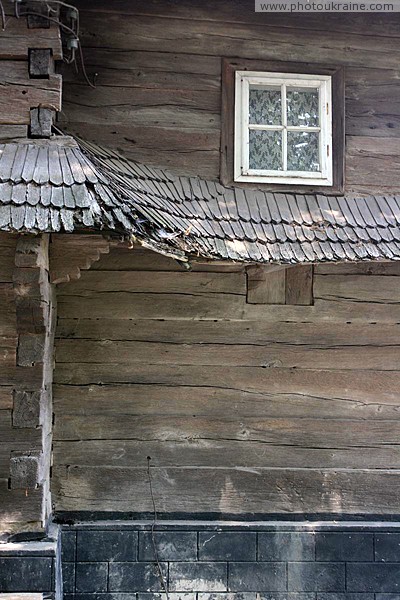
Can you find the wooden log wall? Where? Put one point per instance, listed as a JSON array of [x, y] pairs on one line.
[[27, 72], [157, 67], [244, 409]]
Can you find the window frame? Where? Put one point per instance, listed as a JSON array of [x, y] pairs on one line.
[[242, 171], [227, 154]]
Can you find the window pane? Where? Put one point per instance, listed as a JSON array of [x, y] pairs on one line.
[[303, 151], [302, 107], [265, 150], [265, 106]]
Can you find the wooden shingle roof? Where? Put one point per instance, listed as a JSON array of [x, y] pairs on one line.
[[48, 186]]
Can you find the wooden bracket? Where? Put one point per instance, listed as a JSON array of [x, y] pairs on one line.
[[69, 254]]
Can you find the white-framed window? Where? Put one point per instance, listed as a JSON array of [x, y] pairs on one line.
[[283, 128]]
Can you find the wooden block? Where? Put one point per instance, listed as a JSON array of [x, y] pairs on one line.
[[26, 409], [265, 286], [24, 470], [40, 63], [299, 283], [41, 122], [37, 17], [12, 132]]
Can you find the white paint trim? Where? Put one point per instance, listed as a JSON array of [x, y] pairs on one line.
[[242, 172]]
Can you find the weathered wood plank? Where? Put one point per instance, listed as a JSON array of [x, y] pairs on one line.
[[17, 38], [168, 283], [358, 288], [310, 432], [217, 401], [189, 157], [362, 268], [271, 355], [224, 453], [18, 98], [230, 332], [224, 306], [152, 33], [158, 306], [359, 385], [242, 11], [371, 163], [7, 253], [227, 491]]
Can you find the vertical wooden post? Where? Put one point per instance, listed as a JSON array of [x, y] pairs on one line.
[[32, 407]]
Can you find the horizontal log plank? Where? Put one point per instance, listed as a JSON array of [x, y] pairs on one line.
[[361, 268], [20, 97], [242, 355], [185, 158], [371, 163], [358, 288], [225, 453], [17, 38], [168, 283], [209, 401], [224, 306], [243, 12], [309, 432], [364, 386], [230, 332], [151, 33], [227, 491]]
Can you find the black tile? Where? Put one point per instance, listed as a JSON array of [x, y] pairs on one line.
[[26, 574], [316, 577], [373, 577], [170, 545], [68, 546], [197, 577], [227, 596], [387, 547], [101, 596], [257, 577], [135, 577], [68, 577], [163, 596], [286, 546], [288, 596], [344, 596], [229, 545], [91, 577], [344, 546], [107, 545]]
